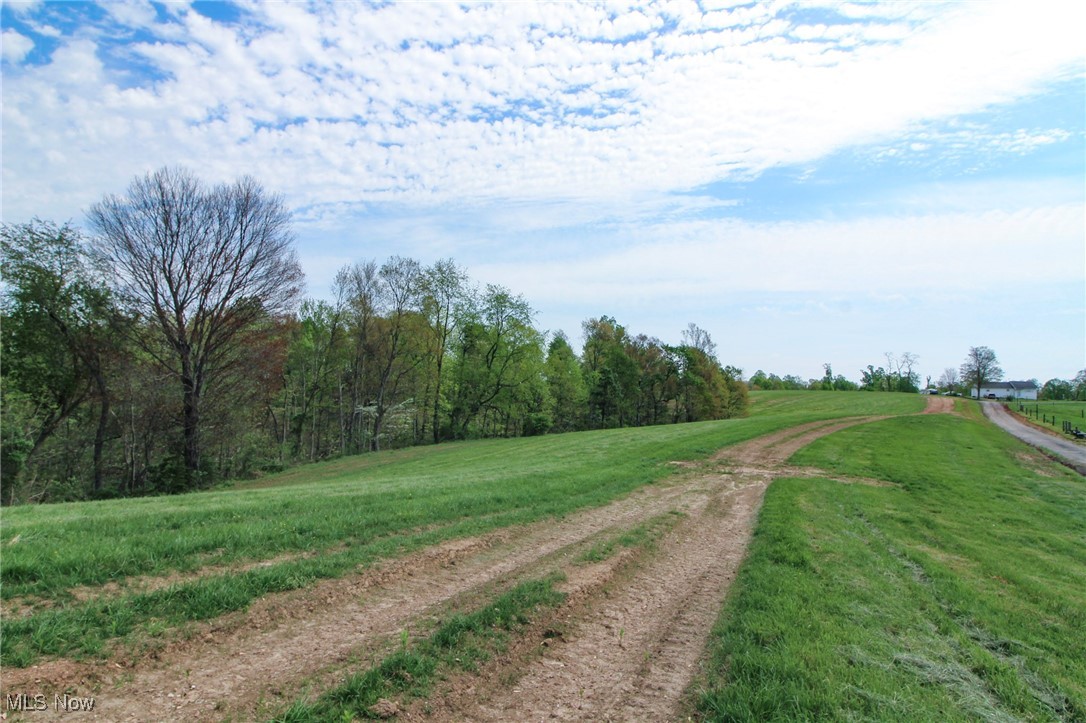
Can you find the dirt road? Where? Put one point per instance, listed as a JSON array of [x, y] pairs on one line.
[[632, 635], [1066, 451]]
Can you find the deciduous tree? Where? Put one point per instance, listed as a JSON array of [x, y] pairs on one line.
[[562, 372], [980, 367], [56, 335], [200, 267], [444, 288], [949, 379]]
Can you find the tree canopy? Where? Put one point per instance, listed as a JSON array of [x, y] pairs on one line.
[[169, 350]]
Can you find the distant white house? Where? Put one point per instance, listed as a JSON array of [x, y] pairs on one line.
[[1007, 390]]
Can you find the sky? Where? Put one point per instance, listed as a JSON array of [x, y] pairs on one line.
[[809, 182]]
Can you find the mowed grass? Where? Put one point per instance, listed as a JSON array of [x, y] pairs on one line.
[[327, 520], [1052, 414], [958, 593]]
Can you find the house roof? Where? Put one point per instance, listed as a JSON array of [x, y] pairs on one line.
[[1010, 385]]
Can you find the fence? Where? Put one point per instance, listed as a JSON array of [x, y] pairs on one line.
[[1068, 420]]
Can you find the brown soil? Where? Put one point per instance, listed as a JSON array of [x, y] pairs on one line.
[[939, 405], [632, 629]]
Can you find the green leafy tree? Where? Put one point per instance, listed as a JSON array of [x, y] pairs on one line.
[[658, 378], [827, 378], [610, 374], [704, 390], [874, 380], [793, 382], [759, 380], [1057, 390], [568, 393], [397, 357], [317, 345], [497, 350], [841, 384], [356, 288], [57, 334], [1079, 386], [444, 290]]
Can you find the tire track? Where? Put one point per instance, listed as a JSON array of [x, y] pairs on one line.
[[231, 668], [651, 633], [633, 654]]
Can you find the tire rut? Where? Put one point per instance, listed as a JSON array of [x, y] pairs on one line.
[[635, 651], [286, 640], [650, 634]]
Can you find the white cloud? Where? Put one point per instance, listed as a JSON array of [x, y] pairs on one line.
[[434, 103], [708, 262], [131, 13], [15, 46], [23, 7]]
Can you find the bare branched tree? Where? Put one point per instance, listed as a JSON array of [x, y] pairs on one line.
[[696, 337], [202, 267], [399, 290], [980, 367], [949, 378]]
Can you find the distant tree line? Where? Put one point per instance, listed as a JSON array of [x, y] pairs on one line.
[[897, 376], [172, 348], [760, 381], [1065, 389]]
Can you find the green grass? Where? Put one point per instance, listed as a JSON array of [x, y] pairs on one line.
[[1052, 414], [462, 642], [959, 593], [808, 406], [327, 520]]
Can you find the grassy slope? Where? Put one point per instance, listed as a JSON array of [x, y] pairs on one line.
[[347, 513], [958, 594]]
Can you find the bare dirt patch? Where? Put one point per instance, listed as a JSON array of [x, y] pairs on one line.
[[635, 650], [629, 644], [939, 405]]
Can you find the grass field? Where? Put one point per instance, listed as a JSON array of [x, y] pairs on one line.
[[956, 593], [1052, 414], [952, 589], [78, 567]]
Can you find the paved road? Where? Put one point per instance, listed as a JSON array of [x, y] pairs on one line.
[[1071, 454]]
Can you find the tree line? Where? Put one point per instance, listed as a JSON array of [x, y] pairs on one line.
[[897, 376], [1065, 389], [172, 348]]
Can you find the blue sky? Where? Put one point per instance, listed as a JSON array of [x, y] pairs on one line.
[[812, 182]]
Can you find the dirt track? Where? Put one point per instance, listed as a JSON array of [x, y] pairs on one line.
[[633, 633]]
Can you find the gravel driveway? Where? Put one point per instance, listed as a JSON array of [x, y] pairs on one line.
[[1071, 454]]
